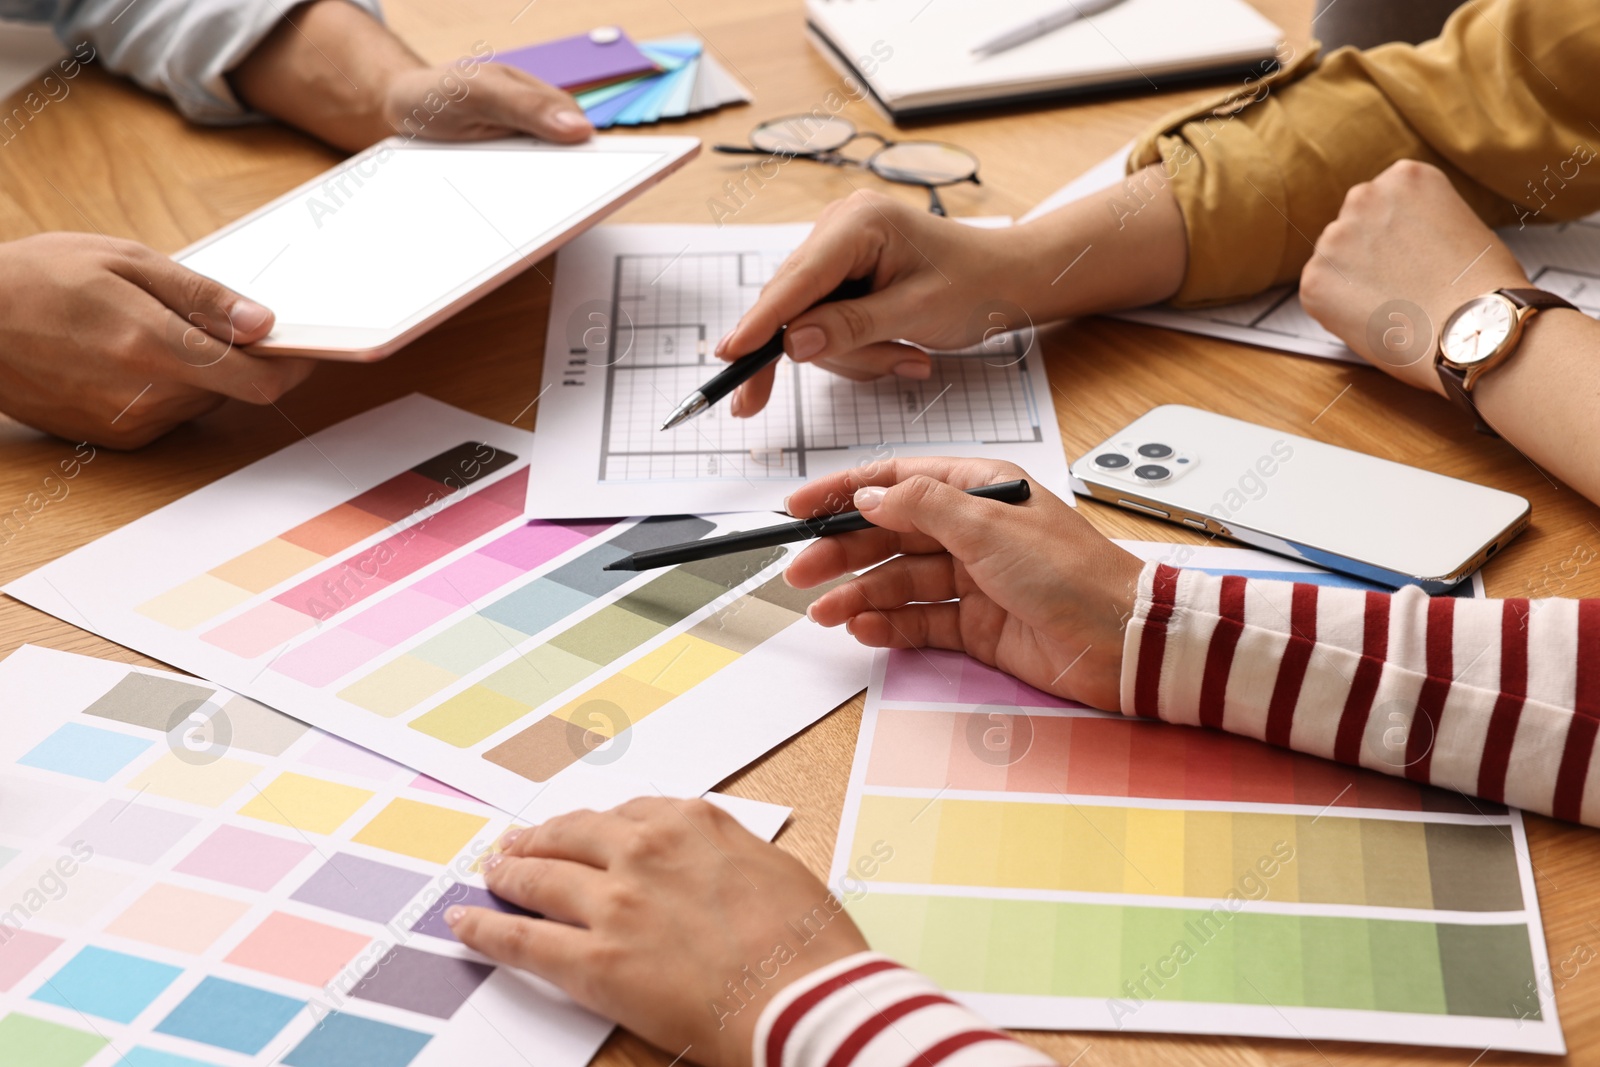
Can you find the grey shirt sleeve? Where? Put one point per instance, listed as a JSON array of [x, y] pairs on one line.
[[182, 49]]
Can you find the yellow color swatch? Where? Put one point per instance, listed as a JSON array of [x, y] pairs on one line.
[[194, 602], [908, 825], [613, 705], [266, 565], [304, 803], [681, 664], [470, 716], [206, 784], [397, 686], [1208, 860], [424, 831], [1153, 843]]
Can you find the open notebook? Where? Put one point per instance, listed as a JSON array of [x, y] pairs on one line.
[[914, 54]]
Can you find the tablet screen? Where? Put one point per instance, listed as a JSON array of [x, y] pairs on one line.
[[390, 237]]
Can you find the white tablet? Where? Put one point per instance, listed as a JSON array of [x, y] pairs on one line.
[[363, 259]]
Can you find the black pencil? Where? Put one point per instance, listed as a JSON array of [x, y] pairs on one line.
[[784, 533], [744, 368]]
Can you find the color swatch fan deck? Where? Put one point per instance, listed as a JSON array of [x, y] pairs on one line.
[[194, 880], [379, 581], [1062, 868]]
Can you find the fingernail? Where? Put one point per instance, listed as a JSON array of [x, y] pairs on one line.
[[736, 404], [492, 862], [807, 341], [811, 612], [786, 506], [454, 914], [569, 121], [914, 368], [248, 316], [510, 836], [869, 497], [722, 345]]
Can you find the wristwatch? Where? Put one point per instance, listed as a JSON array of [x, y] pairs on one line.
[[1480, 336]]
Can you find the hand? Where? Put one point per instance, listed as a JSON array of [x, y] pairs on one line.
[[1029, 588], [471, 101], [930, 277], [109, 342], [336, 72], [653, 909], [1404, 236]]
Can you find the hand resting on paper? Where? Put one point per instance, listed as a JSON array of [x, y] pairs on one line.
[[654, 907], [1029, 588]]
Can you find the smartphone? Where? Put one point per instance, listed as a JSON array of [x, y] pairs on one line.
[[1346, 511]]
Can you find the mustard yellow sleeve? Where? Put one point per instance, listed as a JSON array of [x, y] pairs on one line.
[[1506, 101]]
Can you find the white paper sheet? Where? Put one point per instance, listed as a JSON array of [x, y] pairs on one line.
[[1564, 259], [1060, 868], [458, 638], [204, 839], [635, 315]]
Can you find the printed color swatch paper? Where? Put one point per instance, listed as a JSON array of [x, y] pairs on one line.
[[1062, 868]]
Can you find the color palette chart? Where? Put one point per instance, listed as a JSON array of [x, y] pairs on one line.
[[379, 581], [188, 878], [1063, 868]]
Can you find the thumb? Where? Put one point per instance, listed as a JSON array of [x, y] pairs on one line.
[[967, 526], [516, 99], [210, 317]]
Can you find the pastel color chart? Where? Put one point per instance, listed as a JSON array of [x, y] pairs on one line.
[[379, 580], [310, 543], [288, 911], [1063, 868]]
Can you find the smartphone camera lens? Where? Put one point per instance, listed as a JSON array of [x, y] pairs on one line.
[[1155, 451], [1153, 472], [1111, 461]]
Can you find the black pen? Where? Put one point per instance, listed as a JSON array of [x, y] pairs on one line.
[[799, 530], [744, 368]]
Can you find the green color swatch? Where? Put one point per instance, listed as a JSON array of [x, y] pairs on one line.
[[1133, 954]]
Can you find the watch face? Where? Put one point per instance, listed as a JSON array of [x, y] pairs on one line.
[[1478, 330]]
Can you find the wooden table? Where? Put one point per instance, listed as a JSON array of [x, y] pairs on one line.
[[113, 159]]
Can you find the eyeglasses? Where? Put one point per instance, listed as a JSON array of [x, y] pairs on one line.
[[930, 164]]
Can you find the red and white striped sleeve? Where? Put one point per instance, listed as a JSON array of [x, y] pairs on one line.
[[1496, 698], [868, 1011]]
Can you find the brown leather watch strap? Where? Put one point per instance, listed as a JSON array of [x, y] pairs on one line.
[[1536, 298], [1455, 387]]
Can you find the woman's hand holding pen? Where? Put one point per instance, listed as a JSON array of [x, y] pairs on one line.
[[929, 275], [1029, 588]]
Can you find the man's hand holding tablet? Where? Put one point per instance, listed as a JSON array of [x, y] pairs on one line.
[[107, 341]]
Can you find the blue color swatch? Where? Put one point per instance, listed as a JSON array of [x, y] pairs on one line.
[[149, 1057], [85, 752], [109, 984], [231, 1016], [343, 1040]]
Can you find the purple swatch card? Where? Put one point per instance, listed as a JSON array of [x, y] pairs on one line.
[[586, 60]]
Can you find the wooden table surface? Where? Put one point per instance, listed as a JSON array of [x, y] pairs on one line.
[[113, 159]]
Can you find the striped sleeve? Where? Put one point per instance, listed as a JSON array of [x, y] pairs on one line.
[[1496, 698], [868, 1011]]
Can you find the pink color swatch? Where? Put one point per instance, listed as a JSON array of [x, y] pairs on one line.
[[298, 949], [433, 785], [458, 584], [20, 952], [244, 858], [931, 676]]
